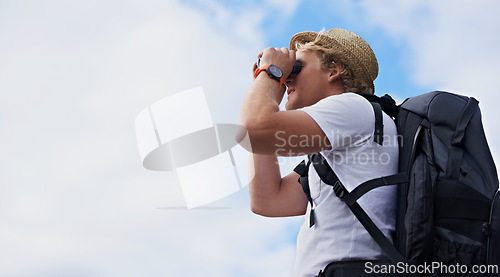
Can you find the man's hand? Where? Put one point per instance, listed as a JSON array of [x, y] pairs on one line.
[[281, 57], [275, 132]]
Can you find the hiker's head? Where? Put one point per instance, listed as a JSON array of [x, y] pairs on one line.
[[359, 66], [313, 82]]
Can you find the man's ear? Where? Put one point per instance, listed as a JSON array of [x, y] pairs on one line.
[[335, 72]]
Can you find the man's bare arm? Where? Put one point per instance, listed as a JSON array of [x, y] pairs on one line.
[[275, 132], [271, 195]]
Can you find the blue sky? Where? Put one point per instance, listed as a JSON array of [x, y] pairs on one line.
[[74, 197]]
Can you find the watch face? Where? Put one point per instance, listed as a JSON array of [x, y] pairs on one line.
[[276, 71]]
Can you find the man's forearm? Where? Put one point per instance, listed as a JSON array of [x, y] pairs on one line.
[[265, 94], [265, 185], [261, 102]]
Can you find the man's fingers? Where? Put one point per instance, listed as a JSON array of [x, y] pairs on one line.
[[282, 57]]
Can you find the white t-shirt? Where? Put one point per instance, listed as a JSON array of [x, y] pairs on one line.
[[348, 122]]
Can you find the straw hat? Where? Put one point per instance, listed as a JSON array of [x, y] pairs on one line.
[[355, 50]]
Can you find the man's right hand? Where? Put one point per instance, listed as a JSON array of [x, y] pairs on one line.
[[281, 57]]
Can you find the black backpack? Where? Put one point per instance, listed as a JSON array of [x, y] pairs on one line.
[[448, 208]]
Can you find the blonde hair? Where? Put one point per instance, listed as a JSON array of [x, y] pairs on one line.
[[329, 57]]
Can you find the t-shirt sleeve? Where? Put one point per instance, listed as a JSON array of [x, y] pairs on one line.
[[346, 119]]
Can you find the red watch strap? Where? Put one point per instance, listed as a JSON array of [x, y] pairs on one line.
[[259, 70], [263, 68]]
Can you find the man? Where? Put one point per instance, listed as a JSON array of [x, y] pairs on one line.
[[322, 115]]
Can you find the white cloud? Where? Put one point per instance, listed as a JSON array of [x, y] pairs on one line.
[[75, 199], [452, 46], [288, 7]]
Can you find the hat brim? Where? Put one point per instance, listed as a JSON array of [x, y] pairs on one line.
[[308, 36]]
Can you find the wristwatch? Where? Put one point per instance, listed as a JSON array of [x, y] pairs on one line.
[[273, 71]]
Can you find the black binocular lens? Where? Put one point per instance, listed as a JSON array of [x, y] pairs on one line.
[[297, 67]]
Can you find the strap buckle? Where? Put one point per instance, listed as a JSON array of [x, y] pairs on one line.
[[339, 189]]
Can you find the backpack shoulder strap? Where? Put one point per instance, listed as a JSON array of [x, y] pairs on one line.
[[378, 134], [387, 103], [379, 104], [329, 177]]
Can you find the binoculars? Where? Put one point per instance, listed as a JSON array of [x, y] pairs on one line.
[[297, 66]]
